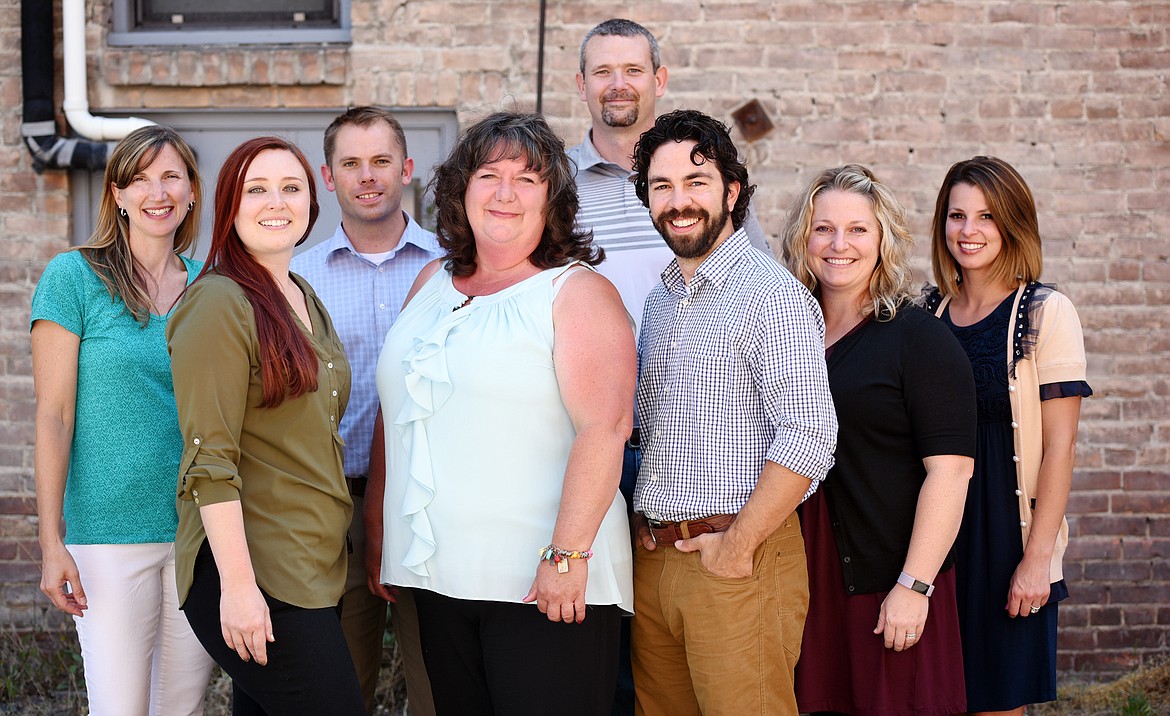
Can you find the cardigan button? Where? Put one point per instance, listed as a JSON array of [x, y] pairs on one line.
[[846, 560]]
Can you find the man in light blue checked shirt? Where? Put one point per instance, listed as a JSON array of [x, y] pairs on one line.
[[363, 274], [737, 427]]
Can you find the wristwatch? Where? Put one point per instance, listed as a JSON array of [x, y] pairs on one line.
[[911, 583]]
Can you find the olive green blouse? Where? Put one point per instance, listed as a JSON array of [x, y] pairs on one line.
[[283, 463]]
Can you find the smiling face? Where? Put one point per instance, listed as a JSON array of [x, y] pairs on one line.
[[973, 238], [157, 197], [505, 203], [844, 244], [689, 203], [620, 85], [368, 172], [274, 208]]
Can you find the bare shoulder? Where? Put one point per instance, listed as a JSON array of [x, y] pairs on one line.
[[583, 284], [587, 301]]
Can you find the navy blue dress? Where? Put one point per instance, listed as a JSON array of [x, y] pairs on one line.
[[1008, 662]]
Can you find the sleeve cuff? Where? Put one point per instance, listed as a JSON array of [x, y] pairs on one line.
[[1065, 389]]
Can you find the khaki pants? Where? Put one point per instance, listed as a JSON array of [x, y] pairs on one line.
[[709, 646]]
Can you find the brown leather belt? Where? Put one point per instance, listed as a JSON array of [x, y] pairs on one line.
[[670, 532]]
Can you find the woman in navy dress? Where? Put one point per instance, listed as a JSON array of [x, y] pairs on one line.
[[1027, 352], [882, 633]]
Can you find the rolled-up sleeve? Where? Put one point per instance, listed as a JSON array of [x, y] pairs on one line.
[[789, 369], [213, 353]]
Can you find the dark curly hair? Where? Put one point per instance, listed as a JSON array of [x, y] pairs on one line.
[[511, 135], [712, 143]]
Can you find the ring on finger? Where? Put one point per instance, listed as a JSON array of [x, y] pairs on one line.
[[911, 635], [1034, 609]]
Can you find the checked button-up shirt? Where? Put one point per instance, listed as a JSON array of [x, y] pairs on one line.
[[731, 373]]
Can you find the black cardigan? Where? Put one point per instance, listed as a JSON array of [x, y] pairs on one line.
[[903, 391]]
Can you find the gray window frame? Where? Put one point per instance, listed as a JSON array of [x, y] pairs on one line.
[[124, 34]]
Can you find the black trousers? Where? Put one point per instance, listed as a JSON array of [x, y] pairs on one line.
[[506, 659], [309, 669]]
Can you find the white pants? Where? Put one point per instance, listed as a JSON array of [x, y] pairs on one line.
[[139, 652]]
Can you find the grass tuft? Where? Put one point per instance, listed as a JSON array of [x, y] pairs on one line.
[[1143, 692], [40, 672]]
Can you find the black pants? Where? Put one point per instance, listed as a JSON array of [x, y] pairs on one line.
[[506, 659], [309, 669]]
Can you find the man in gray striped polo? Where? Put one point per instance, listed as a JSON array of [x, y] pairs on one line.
[[621, 78]]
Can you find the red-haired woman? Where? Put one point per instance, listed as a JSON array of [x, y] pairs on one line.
[[261, 382]]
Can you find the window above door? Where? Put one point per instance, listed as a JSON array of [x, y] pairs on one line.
[[229, 22]]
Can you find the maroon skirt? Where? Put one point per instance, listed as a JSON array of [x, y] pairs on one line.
[[845, 667]]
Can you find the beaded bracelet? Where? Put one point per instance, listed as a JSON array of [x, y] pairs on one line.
[[560, 557]]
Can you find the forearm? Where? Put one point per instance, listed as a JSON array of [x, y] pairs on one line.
[[375, 487], [590, 484], [1051, 498], [51, 469], [777, 493], [1060, 417], [938, 515], [224, 524]]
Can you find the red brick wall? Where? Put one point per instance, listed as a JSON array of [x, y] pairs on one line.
[[1074, 94]]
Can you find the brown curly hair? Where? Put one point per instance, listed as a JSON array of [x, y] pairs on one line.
[[511, 135]]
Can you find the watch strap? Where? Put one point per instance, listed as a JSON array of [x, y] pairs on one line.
[[913, 584]]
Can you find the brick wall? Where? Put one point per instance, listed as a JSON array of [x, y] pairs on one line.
[[1074, 94]]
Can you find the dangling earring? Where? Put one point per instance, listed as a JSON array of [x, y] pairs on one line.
[[191, 206], [122, 211]]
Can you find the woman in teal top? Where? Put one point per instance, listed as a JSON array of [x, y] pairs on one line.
[[108, 442]]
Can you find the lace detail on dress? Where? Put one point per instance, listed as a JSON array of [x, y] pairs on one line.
[[984, 345], [1024, 333]]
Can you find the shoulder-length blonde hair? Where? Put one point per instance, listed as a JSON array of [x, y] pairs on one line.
[[108, 249], [890, 284], [1012, 209]]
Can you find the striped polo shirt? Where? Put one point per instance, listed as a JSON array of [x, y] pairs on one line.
[[635, 253]]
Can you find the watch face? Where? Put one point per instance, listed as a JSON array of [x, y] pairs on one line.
[[918, 586]]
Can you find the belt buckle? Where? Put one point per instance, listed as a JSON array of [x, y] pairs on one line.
[[655, 525]]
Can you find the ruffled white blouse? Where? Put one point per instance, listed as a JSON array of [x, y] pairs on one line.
[[477, 440]]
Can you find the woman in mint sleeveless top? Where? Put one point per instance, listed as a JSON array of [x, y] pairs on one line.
[[108, 443], [506, 388]]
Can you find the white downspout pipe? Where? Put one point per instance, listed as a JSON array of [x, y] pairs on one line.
[[76, 104]]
